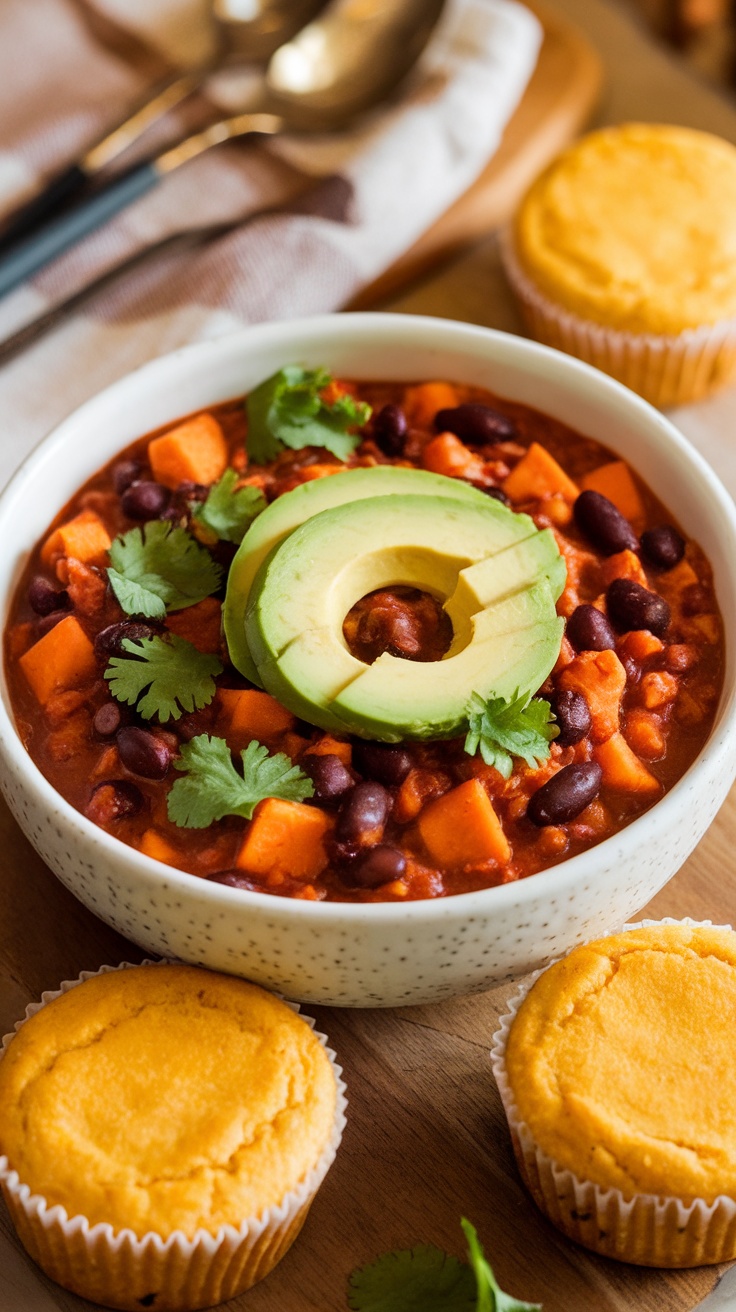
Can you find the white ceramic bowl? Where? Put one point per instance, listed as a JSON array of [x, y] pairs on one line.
[[390, 954]]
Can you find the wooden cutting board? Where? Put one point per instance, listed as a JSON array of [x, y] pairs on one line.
[[557, 104]]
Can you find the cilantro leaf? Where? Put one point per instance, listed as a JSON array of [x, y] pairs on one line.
[[421, 1279], [288, 410], [504, 729], [226, 512], [171, 672], [160, 567], [489, 1297], [213, 788]]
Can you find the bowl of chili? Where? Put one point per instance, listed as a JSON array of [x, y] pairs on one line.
[[411, 898]]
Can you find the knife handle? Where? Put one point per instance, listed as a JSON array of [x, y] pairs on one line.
[[38, 249], [42, 205]]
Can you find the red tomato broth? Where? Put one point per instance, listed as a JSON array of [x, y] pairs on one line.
[[667, 708]]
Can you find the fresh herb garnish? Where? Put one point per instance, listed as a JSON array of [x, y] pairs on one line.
[[228, 513], [288, 410], [213, 788], [160, 567], [171, 673], [504, 729], [425, 1279]]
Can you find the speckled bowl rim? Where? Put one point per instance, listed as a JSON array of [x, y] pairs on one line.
[[432, 334]]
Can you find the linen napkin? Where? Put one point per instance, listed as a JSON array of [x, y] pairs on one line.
[[69, 68]]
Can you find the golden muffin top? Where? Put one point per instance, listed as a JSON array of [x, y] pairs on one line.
[[633, 227], [622, 1062], [165, 1098]]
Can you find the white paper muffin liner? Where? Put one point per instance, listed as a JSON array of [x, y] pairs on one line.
[[121, 1270], [646, 1230], [666, 370]]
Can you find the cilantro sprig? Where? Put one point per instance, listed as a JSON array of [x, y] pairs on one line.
[[160, 567], [212, 786], [425, 1279], [287, 410], [503, 729], [163, 676], [228, 513]]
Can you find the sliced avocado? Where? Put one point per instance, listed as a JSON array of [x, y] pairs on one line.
[[307, 585], [518, 567], [293, 508]]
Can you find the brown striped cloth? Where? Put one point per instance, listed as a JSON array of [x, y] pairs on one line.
[[351, 203]]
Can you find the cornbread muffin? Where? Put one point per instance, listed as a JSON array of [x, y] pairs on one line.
[[167, 1101], [624, 252], [619, 1078]]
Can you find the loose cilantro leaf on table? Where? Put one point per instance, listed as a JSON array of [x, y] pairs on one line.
[[214, 788], [171, 672], [226, 512], [288, 410], [504, 729], [424, 1279], [160, 567]]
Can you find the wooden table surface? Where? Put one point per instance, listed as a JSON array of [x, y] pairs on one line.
[[426, 1139]]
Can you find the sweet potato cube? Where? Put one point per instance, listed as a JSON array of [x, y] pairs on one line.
[[622, 769], [195, 451], [640, 644], [461, 828], [644, 735], [247, 713], [154, 845], [447, 455], [601, 678], [84, 538], [623, 565], [329, 746], [539, 475], [199, 624], [285, 838], [63, 658], [422, 402], [616, 482]]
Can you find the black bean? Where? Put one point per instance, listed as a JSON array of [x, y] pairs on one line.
[[107, 720], [124, 473], [363, 813], [663, 547], [44, 598], [330, 777], [571, 712], [589, 630], [475, 423], [379, 865], [236, 879], [603, 524], [145, 500], [566, 794], [142, 753], [115, 799], [390, 429], [384, 762], [109, 641], [497, 495], [192, 491], [631, 606]]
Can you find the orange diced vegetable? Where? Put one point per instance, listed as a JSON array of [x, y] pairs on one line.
[[418, 786], [152, 844], [421, 403], [329, 746], [71, 738], [679, 578], [463, 829], [446, 454], [195, 451], [285, 838], [644, 735], [199, 624], [84, 537], [640, 643], [616, 482], [623, 565], [601, 678], [538, 475], [622, 769], [310, 472], [248, 714], [63, 658], [658, 688], [86, 587]]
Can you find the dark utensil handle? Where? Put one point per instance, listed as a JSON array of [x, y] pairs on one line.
[[60, 189], [56, 237]]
